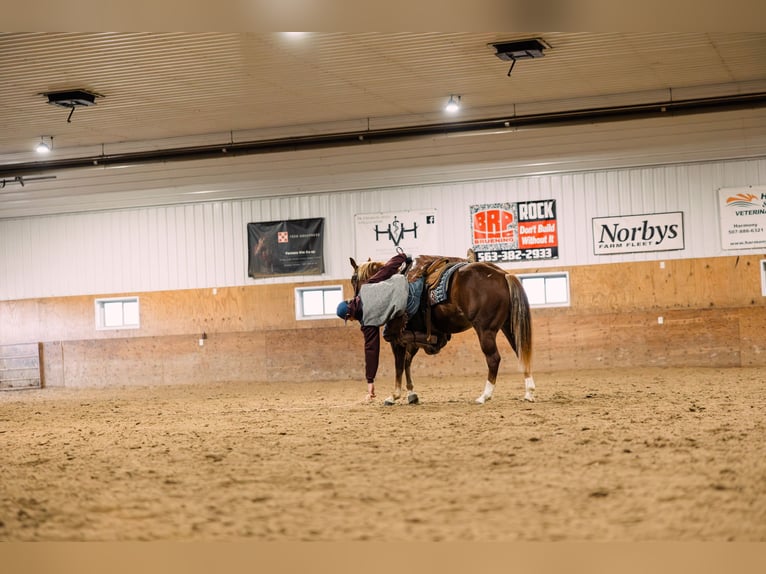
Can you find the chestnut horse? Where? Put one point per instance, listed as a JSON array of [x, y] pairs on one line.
[[480, 295]]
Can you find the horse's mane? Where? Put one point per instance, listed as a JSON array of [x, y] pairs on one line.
[[367, 269]]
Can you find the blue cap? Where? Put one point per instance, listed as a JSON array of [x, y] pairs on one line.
[[342, 310]]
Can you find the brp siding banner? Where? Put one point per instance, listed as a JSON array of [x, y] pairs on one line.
[[523, 231], [379, 234], [291, 247], [638, 233], [743, 217]]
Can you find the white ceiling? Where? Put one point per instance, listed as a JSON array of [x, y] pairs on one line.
[[159, 86], [167, 90]]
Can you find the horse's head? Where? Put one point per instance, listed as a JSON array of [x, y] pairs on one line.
[[362, 273]]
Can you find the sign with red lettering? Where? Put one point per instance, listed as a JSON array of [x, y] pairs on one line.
[[523, 231]]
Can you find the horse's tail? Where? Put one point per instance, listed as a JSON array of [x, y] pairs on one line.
[[521, 322]]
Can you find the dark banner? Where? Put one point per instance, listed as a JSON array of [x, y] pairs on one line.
[[291, 247]]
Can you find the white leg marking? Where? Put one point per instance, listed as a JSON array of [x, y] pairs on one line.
[[487, 394], [529, 385]]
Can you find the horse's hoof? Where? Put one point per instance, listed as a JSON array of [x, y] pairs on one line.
[[389, 402], [413, 399]]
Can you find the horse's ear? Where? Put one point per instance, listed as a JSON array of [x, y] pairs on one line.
[[353, 263]]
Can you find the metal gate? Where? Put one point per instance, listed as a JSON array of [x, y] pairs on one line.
[[20, 366]]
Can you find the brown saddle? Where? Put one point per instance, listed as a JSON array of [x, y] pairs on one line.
[[432, 268]]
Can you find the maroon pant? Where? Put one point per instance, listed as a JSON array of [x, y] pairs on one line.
[[372, 333]]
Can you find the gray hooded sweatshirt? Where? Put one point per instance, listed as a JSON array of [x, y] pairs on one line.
[[383, 301]]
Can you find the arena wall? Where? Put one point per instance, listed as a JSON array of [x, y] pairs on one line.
[[713, 314], [188, 265]]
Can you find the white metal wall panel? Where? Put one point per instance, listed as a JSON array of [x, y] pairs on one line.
[[205, 244]]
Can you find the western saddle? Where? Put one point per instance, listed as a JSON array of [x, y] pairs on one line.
[[431, 269]]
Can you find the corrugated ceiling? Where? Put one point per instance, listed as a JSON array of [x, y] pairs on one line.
[[165, 90], [159, 86]]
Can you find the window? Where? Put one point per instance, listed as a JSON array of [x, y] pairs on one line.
[[117, 313], [547, 289], [317, 302]]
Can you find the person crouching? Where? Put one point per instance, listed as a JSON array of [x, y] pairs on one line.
[[382, 298]]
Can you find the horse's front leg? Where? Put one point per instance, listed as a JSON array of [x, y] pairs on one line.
[[412, 397], [400, 360]]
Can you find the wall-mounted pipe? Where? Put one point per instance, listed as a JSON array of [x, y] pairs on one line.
[[573, 117]]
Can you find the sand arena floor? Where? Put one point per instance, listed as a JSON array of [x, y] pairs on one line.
[[639, 455]]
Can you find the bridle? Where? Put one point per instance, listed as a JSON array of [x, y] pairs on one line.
[[355, 281]]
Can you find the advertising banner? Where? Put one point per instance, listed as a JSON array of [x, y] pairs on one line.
[[743, 217], [638, 233], [523, 231], [293, 247], [379, 234]]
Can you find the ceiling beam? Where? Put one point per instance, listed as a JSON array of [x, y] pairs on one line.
[[510, 123]]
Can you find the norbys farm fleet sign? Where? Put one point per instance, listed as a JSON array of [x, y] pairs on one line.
[[636, 233], [523, 231]]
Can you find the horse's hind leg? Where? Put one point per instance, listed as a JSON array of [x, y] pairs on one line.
[[529, 387], [529, 381], [488, 342]]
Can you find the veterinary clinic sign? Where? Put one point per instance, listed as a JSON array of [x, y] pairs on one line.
[[523, 231], [379, 234], [638, 233], [743, 217]]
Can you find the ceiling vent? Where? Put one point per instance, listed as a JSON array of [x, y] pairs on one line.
[[520, 50], [72, 99]]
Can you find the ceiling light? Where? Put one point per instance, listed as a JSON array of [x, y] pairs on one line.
[[453, 104], [520, 50], [43, 147]]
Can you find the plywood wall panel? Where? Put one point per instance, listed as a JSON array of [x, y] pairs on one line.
[[730, 282], [752, 333], [52, 364], [223, 358], [623, 340], [191, 311], [619, 340], [712, 309], [684, 283], [691, 338]]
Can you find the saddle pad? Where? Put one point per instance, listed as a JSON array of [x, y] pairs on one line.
[[439, 293]]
